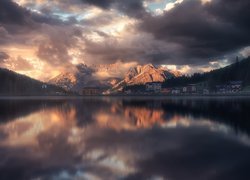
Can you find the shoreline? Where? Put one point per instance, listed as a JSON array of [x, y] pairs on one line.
[[193, 96]]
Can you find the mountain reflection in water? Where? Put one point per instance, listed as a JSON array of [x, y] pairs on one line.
[[123, 138]]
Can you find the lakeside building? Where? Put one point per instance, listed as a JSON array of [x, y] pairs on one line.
[[236, 86], [198, 88], [176, 91], [189, 89], [230, 87], [134, 89], [201, 88], [166, 90], [128, 92], [153, 87], [91, 91], [44, 86]]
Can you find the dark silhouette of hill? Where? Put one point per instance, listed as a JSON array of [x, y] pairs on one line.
[[239, 71], [12, 83], [10, 109]]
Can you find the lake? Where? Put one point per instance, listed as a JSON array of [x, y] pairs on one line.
[[110, 138]]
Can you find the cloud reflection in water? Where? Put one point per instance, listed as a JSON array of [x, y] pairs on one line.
[[126, 139]]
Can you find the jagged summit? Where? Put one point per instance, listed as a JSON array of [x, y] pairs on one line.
[[83, 68], [85, 76], [146, 73], [143, 74]]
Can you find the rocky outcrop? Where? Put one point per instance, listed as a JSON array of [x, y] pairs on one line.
[[147, 73], [142, 75], [85, 76]]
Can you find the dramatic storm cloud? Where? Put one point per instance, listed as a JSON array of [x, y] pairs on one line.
[[191, 35], [203, 31], [132, 8], [3, 56]]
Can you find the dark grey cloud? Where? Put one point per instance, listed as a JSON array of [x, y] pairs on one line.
[[110, 51], [236, 12], [4, 35], [12, 13], [55, 48], [3, 56], [53, 52], [100, 3], [133, 46], [203, 31], [193, 33], [132, 8]]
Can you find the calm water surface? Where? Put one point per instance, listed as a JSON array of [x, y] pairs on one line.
[[125, 138]]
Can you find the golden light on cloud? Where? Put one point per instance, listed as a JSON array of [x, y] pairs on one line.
[[171, 5], [205, 1]]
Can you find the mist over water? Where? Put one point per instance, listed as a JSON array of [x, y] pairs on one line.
[[124, 138]]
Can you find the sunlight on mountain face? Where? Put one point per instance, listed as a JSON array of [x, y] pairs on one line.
[[97, 138]]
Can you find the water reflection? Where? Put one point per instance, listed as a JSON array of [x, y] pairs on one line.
[[116, 138]]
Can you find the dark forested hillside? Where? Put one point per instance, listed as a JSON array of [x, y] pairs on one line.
[[239, 71], [12, 83]]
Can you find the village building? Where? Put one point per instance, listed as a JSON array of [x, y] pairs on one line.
[[230, 87], [176, 91], [202, 88], [184, 90], [198, 88], [235, 86], [165, 90], [221, 89], [189, 89], [192, 88], [44, 86], [91, 91], [153, 87], [129, 91]]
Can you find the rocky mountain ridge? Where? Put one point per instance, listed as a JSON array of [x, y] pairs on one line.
[[85, 76], [143, 74]]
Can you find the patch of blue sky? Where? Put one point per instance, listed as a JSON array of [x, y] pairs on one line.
[[83, 16], [153, 6], [78, 16], [63, 16]]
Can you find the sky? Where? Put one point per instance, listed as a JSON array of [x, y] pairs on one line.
[[42, 38]]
